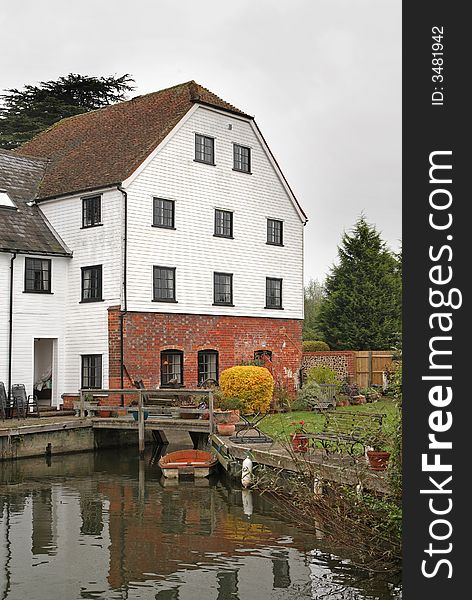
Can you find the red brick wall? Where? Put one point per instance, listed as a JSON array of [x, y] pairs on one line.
[[235, 339]]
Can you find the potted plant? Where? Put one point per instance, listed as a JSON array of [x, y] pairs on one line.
[[342, 400], [299, 439], [135, 412], [358, 399], [377, 454], [190, 402], [227, 410]]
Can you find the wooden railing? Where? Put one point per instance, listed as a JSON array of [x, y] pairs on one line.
[[166, 395]]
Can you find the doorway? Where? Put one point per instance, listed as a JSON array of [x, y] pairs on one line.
[[44, 375]]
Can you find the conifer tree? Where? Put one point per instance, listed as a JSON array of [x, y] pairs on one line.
[[362, 305], [25, 113]]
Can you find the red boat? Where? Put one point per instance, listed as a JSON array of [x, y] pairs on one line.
[[198, 463]]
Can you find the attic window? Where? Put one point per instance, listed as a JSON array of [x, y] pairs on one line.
[[204, 149], [6, 201], [91, 211]]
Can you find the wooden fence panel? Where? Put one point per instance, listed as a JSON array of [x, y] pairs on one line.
[[370, 364]]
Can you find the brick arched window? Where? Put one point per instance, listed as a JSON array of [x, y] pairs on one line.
[[172, 368], [207, 365]]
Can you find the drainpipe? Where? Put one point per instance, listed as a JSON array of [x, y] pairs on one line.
[[125, 295], [10, 332]]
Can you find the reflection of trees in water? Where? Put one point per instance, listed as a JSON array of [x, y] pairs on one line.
[[227, 585]]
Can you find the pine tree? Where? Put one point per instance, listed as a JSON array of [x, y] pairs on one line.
[[33, 109], [362, 307]]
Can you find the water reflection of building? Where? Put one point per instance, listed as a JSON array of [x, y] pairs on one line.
[[42, 541], [103, 531], [40, 530]]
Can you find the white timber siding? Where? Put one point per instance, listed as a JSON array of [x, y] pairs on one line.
[[87, 323], [198, 189], [35, 315]]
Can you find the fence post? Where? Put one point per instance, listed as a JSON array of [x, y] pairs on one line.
[[140, 424], [210, 409], [369, 368]]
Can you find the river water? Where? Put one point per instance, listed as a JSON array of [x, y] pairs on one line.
[[106, 525]]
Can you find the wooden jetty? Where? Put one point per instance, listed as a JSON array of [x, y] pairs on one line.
[[338, 468], [151, 408]]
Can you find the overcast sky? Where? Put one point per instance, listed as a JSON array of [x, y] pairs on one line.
[[322, 78]]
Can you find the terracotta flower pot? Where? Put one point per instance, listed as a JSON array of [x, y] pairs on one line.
[[378, 460], [222, 416], [226, 428], [358, 399], [104, 413], [299, 442]]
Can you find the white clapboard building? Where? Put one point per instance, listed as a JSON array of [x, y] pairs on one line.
[[154, 239]]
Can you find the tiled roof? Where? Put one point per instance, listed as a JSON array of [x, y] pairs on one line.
[[104, 147], [25, 229]]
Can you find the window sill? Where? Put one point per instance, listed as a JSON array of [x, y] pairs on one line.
[[219, 235], [222, 304], [274, 307], [91, 226], [163, 227], [166, 386], [91, 301], [274, 244], [242, 171], [167, 301], [37, 292], [204, 162]]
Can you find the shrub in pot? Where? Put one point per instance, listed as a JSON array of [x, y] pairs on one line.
[[377, 450], [227, 410], [298, 437], [342, 400]]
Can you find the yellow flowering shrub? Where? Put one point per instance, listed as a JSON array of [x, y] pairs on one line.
[[253, 386]]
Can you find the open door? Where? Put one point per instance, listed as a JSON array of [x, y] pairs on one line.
[[44, 376]]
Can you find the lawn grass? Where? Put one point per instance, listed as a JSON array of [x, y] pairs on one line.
[[279, 426]]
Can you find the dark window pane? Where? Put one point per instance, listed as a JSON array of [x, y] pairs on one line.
[[207, 365], [273, 293], [204, 149], [164, 211], [171, 367], [92, 371], [37, 275], [274, 232], [223, 288], [91, 211], [92, 283], [223, 223], [164, 283], [242, 158]]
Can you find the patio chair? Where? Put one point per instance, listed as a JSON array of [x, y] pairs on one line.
[[21, 403], [4, 404], [251, 422]]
